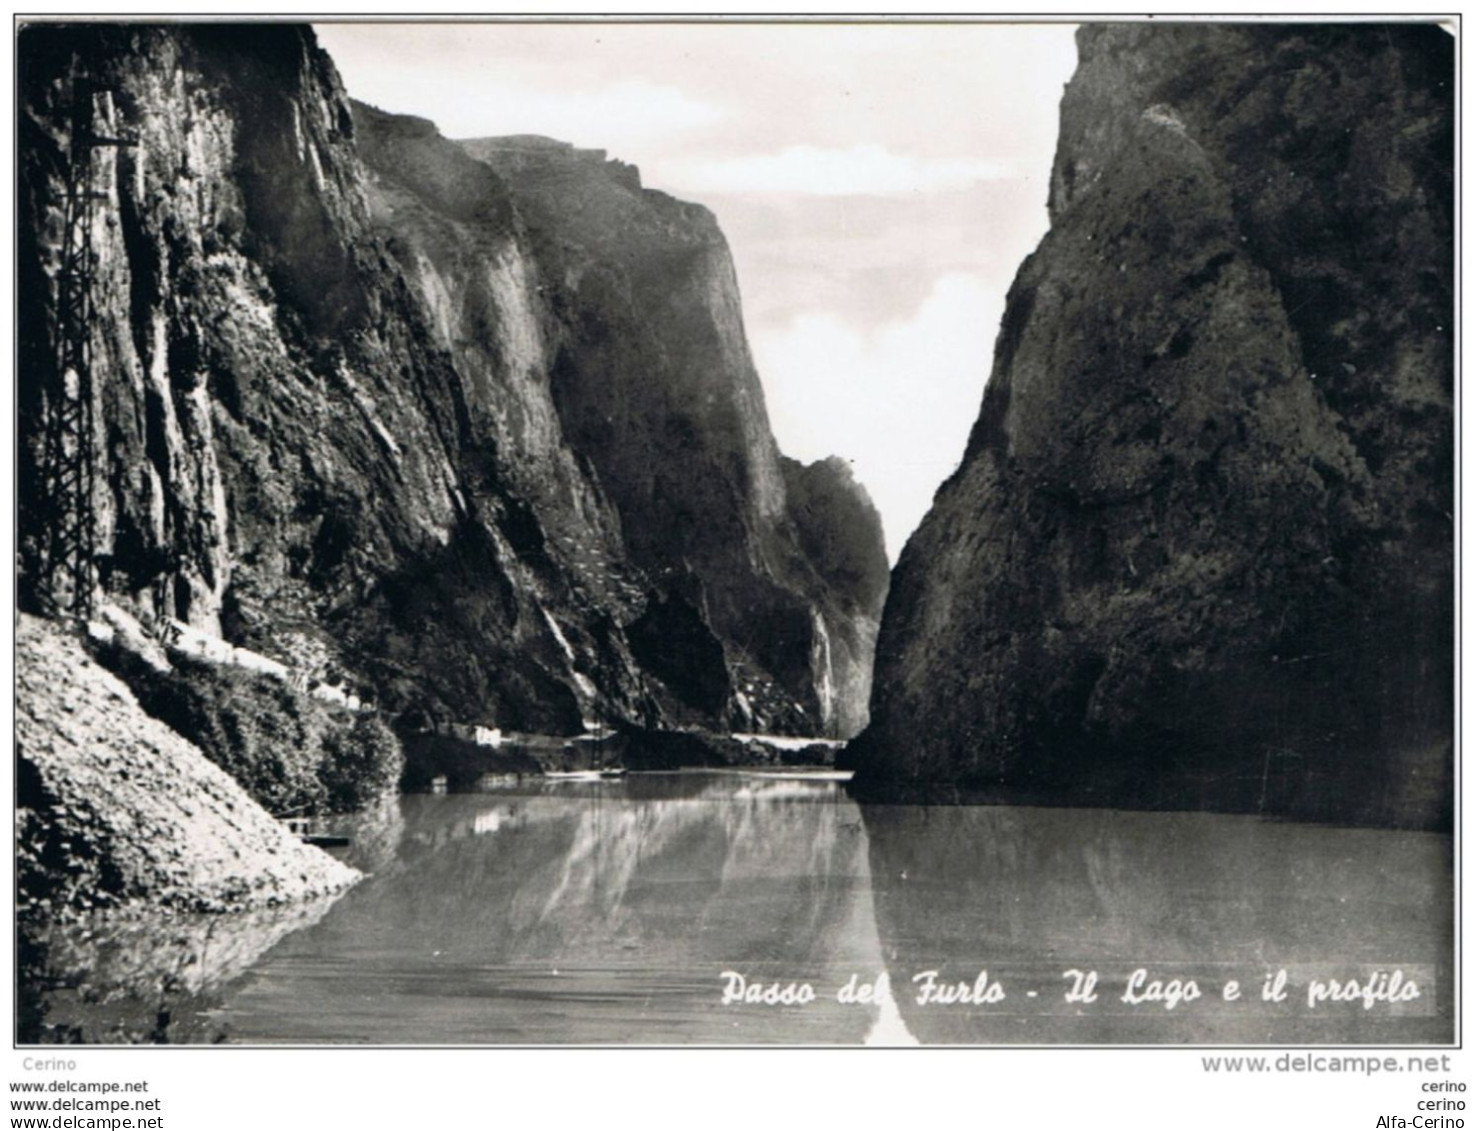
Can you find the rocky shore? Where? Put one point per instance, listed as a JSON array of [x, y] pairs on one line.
[[115, 808]]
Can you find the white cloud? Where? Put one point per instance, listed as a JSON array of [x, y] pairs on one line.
[[896, 399], [859, 170]]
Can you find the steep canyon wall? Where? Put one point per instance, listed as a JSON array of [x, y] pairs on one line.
[[1199, 553], [371, 408]]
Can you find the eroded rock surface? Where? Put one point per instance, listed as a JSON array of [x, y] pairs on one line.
[[369, 411], [1199, 551]]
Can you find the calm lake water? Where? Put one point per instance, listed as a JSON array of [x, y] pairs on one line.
[[622, 911]]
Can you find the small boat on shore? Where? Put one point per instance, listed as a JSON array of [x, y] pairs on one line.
[[325, 840], [302, 829], [585, 775]]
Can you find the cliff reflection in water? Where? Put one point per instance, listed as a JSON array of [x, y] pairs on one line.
[[146, 977], [588, 912], [608, 912], [1028, 894]]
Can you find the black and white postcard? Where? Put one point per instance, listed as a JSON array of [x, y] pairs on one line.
[[736, 532]]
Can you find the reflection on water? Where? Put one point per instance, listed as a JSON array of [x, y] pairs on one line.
[[588, 912], [612, 911], [1029, 894], [146, 979]]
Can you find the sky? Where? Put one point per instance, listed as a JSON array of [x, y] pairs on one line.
[[878, 184]]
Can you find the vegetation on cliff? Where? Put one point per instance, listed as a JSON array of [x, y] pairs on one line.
[[291, 752], [116, 808]]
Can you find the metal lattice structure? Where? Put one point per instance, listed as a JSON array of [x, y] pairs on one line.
[[69, 460]]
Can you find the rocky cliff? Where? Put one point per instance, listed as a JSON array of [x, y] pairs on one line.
[[603, 321], [1199, 550], [837, 523], [349, 405]]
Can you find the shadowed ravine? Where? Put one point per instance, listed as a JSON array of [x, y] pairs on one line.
[[608, 912]]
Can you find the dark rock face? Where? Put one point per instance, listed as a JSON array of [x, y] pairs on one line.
[[289, 459], [1199, 552], [637, 420], [342, 400], [837, 524]]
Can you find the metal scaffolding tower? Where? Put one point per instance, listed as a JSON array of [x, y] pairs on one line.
[[69, 460]]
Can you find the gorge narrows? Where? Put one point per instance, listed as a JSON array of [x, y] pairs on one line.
[[434, 629]]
